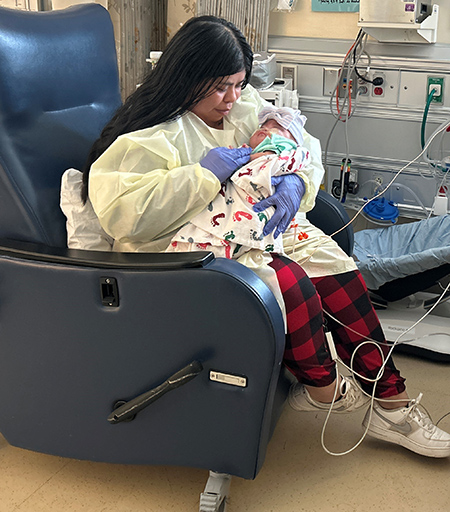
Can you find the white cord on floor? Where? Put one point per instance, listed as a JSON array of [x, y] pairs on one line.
[[367, 379], [440, 129]]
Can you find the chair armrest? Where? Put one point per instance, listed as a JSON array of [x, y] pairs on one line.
[[118, 260]]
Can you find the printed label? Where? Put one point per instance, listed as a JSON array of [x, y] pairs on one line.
[[397, 330]]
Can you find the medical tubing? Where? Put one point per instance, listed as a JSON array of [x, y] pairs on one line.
[[432, 164], [424, 118], [377, 343], [347, 155], [338, 118], [350, 71], [345, 226], [440, 419], [322, 436], [349, 74], [389, 344], [415, 196], [373, 182], [325, 157], [356, 332], [341, 116], [367, 379], [372, 398], [369, 59], [441, 148], [438, 130]]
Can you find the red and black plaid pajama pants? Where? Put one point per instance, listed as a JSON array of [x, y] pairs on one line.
[[345, 297]]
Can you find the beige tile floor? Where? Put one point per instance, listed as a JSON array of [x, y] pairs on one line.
[[297, 475]]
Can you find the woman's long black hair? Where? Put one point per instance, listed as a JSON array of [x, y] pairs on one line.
[[205, 50]]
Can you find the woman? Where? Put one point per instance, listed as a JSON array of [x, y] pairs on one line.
[[162, 159], [229, 227]]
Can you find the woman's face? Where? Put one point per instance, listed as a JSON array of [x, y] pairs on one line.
[[217, 104]]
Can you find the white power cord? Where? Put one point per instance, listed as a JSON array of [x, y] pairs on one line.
[[441, 128], [367, 379], [344, 111], [344, 115]]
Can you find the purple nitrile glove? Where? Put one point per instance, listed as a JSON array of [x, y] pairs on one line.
[[222, 162], [289, 190]]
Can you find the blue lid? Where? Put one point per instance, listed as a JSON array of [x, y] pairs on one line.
[[380, 209]]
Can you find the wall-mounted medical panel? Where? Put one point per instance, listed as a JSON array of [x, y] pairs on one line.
[[414, 88], [382, 93], [399, 88], [383, 134]]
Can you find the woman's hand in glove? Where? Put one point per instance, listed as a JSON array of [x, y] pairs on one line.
[[222, 162], [289, 190]]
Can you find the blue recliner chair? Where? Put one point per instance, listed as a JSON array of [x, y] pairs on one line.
[[112, 357]]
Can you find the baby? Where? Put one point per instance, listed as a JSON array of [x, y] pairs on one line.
[[229, 227]]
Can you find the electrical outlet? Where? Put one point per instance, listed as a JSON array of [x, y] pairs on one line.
[[378, 88], [345, 83], [363, 87], [436, 83], [330, 76]]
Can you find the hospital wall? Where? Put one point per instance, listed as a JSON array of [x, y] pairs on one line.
[[384, 132], [303, 22]]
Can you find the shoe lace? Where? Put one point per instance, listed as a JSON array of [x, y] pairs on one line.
[[422, 417]]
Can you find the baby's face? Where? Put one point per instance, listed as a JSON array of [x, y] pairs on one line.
[[266, 130]]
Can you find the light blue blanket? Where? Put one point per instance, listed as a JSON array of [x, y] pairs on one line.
[[385, 254]]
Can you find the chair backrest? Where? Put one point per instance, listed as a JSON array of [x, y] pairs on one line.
[[58, 87], [330, 216]]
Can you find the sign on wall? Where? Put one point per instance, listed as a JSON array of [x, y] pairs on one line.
[[335, 5]]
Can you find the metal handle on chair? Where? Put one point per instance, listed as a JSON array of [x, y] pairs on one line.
[[128, 410]]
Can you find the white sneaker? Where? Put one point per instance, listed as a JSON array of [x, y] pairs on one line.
[[409, 427], [352, 398]]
